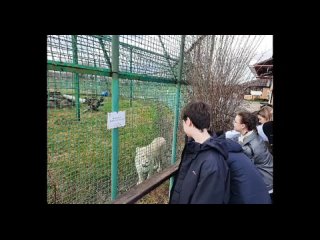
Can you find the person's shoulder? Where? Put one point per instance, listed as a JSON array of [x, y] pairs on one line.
[[232, 134], [267, 126], [268, 130], [208, 156], [258, 145], [255, 139]]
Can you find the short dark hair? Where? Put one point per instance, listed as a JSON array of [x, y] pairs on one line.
[[199, 114], [248, 119]]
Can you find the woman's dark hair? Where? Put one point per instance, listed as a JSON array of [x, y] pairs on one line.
[[256, 113], [248, 119]]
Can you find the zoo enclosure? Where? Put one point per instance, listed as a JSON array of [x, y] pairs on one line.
[[89, 76]]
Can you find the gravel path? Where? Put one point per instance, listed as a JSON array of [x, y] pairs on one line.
[[251, 106]]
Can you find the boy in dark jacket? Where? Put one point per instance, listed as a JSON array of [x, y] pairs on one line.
[[203, 175]]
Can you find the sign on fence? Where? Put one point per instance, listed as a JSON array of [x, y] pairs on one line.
[[116, 119]]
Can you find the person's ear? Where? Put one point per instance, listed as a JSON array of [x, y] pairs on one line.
[[189, 122]]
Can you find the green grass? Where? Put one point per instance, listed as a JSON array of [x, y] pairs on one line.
[[79, 153]]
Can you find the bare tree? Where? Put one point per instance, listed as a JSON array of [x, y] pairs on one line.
[[216, 68]]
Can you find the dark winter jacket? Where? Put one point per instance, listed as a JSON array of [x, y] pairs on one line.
[[268, 130], [203, 175], [246, 184]]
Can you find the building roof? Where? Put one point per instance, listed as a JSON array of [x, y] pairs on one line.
[[263, 69], [264, 82]]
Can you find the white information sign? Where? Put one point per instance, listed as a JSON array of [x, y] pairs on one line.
[[116, 119]]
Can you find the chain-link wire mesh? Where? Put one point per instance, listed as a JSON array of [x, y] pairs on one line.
[[79, 92]]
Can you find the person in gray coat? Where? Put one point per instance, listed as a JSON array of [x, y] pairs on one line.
[[253, 146]]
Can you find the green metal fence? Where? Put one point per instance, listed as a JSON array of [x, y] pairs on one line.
[[91, 76]]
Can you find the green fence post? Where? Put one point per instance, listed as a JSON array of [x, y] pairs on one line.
[[131, 81], [95, 78], [115, 108], [76, 75], [177, 103]]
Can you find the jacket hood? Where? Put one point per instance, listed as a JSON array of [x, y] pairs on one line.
[[218, 143], [232, 146]]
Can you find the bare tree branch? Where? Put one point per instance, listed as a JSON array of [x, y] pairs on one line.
[[216, 68]]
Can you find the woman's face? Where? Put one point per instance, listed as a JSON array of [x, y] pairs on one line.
[[237, 125], [262, 120]]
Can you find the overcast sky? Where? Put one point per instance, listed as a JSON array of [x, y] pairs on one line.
[[266, 43], [265, 49]]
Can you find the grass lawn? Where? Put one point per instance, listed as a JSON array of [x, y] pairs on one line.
[[79, 152]]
